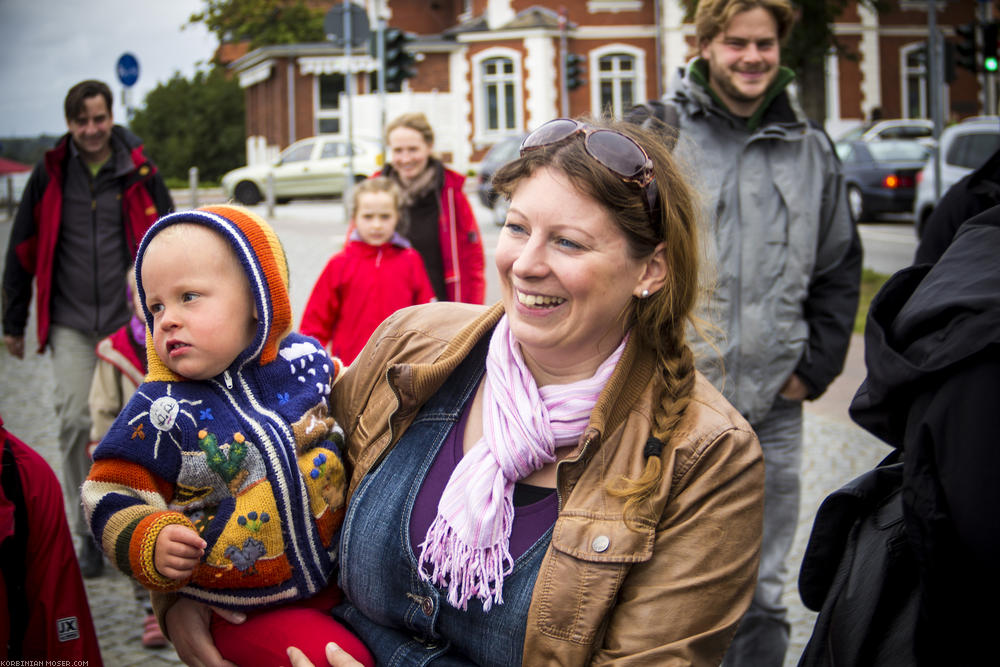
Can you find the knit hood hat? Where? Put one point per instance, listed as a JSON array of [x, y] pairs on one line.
[[260, 254]]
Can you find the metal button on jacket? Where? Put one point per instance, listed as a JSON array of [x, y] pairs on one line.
[[427, 606], [600, 543]]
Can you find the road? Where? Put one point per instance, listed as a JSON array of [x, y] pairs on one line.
[[835, 449], [888, 247]]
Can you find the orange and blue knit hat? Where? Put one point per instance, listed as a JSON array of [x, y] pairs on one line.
[[260, 253]]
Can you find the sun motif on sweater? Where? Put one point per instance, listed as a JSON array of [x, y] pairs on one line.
[[163, 413]]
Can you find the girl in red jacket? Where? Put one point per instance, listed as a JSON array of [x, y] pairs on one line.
[[376, 274]]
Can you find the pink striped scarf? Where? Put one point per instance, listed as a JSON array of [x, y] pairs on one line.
[[467, 543]]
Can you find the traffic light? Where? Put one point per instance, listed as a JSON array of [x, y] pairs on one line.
[[949, 63], [398, 61], [575, 70], [990, 47], [965, 49]]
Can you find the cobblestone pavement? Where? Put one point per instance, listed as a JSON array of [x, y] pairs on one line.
[[835, 450]]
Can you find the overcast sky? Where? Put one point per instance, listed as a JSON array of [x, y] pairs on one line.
[[49, 45]]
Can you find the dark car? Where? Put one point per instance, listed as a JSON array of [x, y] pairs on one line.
[[880, 176], [500, 154]]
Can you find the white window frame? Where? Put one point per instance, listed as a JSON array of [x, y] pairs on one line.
[[920, 74], [614, 6], [594, 75], [326, 114], [482, 131]]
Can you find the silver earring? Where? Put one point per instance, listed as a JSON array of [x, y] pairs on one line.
[[645, 293]]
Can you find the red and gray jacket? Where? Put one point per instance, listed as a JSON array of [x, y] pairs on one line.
[[35, 233]]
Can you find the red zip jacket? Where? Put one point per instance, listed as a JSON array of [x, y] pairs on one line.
[[32, 247], [461, 243], [43, 603], [361, 286]]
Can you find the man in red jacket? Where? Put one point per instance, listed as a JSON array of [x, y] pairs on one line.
[[44, 613], [83, 212]]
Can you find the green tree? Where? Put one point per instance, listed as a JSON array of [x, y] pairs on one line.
[[262, 22], [194, 123], [811, 39]]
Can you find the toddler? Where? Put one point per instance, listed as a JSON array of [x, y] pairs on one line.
[[220, 479], [376, 274]]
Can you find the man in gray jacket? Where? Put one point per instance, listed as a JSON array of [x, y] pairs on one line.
[[786, 261]]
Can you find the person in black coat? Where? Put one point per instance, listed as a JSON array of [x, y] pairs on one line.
[[970, 196], [932, 349]]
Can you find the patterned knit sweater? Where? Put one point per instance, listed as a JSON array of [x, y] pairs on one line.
[[247, 458]]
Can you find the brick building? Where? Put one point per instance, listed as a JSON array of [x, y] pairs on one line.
[[491, 68]]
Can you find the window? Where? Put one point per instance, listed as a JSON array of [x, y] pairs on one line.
[[329, 88], [333, 149], [972, 150], [499, 94], [846, 152], [905, 132], [617, 80], [897, 151], [298, 152], [914, 73]]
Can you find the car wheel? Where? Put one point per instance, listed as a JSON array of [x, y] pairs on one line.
[[247, 193], [855, 203]]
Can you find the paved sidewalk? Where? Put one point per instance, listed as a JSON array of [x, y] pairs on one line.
[[835, 451]]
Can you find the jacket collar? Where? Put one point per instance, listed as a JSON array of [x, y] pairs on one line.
[[397, 239], [779, 104], [417, 382]]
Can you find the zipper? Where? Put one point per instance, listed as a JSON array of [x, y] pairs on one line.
[[271, 447], [93, 244], [583, 450], [392, 428]]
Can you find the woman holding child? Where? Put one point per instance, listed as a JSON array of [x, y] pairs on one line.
[[550, 480]]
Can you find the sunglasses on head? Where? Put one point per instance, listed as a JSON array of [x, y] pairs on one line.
[[620, 154]]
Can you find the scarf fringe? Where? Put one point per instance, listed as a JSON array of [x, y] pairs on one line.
[[466, 571]]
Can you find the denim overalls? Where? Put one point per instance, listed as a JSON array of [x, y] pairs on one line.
[[402, 619]]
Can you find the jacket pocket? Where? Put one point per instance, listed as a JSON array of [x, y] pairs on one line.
[[581, 575]]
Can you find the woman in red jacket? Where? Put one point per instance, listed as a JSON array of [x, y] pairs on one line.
[[436, 217]]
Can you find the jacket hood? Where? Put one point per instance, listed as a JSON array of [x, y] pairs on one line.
[[925, 320], [263, 259]]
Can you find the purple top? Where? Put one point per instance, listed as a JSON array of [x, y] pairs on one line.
[[530, 521]]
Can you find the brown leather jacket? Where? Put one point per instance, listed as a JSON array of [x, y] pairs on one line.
[[669, 592]]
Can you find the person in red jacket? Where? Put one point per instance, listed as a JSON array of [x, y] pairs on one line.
[[84, 210], [376, 274], [44, 614], [435, 215]]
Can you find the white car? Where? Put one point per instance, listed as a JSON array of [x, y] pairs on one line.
[[964, 148], [916, 129], [313, 167]]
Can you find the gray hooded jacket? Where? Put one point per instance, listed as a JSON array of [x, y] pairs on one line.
[[784, 254]]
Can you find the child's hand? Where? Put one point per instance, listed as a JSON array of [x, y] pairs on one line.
[[178, 551]]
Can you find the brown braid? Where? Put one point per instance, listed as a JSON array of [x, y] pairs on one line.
[[659, 321]]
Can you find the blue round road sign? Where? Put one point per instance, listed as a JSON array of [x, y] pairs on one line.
[[128, 69]]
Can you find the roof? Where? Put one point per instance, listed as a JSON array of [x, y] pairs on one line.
[[12, 167]]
